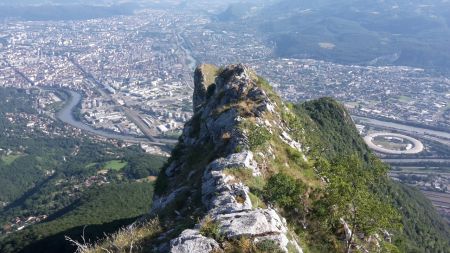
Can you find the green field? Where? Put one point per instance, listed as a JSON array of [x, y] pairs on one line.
[[115, 165], [9, 159]]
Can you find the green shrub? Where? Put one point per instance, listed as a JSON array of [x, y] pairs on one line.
[[256, 202], [267, 246], [283, 190], [389, 248]]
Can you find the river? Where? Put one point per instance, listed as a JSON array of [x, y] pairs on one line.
[[66, 116]]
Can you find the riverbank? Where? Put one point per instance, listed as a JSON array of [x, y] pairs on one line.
[[66, 116]]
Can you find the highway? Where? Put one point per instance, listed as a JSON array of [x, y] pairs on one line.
[[132, 115], [424, 133], [66, 116]]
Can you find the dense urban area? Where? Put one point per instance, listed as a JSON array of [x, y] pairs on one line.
[[130, 78]]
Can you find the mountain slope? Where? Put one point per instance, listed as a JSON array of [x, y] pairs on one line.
[[253, 174], [423, 229], [100, 210], [412, 33]]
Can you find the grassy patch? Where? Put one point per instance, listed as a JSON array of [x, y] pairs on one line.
[[209, 73], [9, 159], [246, 176], [246, 244], [210, 228], [258, 136], [265, 85], [284, 190], [256, 201], [115, 165]]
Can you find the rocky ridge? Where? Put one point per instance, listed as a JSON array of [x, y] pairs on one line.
[[226, 110]]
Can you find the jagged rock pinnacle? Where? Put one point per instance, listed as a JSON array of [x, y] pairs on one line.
[[204, 76], [214, 143]]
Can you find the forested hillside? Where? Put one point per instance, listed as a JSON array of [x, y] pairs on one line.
[[55, 180]]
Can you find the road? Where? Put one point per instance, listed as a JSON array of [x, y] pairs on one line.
[[132, 115], [403, 127], [416, 160], [423, 133], [66, 116]]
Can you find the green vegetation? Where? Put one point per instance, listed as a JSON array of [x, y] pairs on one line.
[[256, 184], [115, 165], [349, 197], [284, 190], [57, 176], [100, 210], [256, 201], [336, 150], [257, 136], [140, 166], [210, 228], [9, 159], [246, 244], [268, 246], [423, 228]]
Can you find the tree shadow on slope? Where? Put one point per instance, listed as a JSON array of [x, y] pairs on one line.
[[91, 233]]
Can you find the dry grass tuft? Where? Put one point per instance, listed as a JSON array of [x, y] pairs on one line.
[[130, 239]]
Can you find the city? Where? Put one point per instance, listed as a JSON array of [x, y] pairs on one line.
[[130, 78]]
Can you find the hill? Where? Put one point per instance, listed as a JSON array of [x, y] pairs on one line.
[[55, 180], [412, 33], [253, 174]]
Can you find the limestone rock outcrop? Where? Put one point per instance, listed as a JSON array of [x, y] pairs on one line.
[[221, 105]]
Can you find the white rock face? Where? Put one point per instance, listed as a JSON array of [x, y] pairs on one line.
[[227, 198], [286, 138], [260, 224], [191, 241], [238, 160], [223, 193], [251, 223]]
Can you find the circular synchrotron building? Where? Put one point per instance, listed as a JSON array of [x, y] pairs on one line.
[[412, 146]]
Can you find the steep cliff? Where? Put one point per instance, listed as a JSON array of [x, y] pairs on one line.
[[217, 145]]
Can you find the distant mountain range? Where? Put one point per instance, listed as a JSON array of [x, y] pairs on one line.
[[414, 33], [53, 10]]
